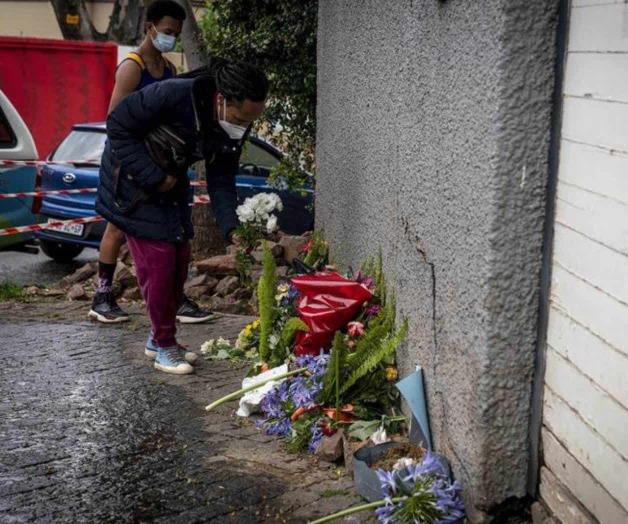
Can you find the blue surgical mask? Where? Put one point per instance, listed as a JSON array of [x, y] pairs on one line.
[[163, 43]]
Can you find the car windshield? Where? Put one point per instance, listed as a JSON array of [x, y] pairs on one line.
[[257, 155], [81, 146]]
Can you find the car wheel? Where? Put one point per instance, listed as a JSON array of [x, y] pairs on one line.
[[60, 251]]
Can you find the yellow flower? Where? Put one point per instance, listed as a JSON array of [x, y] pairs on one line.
[[391, 373]]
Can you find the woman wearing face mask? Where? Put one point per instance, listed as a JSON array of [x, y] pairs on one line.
[[147, 65], [154, 135]]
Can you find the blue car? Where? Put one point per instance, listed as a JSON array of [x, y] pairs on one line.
[[86, 143], [16, 143]]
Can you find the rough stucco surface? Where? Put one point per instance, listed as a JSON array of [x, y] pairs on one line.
[[433, 133]]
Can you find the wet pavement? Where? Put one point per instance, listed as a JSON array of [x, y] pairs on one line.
[[89, 432], [27, 269]]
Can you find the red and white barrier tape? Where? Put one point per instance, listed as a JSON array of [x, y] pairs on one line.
[[26, 194], [49, 225], [34, 163], [198, 201]]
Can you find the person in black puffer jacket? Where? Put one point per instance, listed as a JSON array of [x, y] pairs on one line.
[[153, 136]]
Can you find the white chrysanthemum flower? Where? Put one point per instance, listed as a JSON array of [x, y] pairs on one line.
[[245, 213], [271, 225]]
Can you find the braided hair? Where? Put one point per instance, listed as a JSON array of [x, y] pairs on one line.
[[237, 81]]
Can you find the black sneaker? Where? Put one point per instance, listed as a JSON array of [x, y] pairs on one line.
[[190, 313], [105, 309]]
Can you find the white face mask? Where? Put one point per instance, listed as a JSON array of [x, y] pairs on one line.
[[233, 130], [163, 43]]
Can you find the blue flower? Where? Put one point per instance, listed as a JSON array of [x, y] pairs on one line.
[[293, 292], [430, 465], [448, 501], [316, 365], [283, 391], [278, 427], [385, 514], [316, 436], [387, 480]]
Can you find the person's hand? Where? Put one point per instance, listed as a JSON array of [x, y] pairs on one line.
[[167, 184]]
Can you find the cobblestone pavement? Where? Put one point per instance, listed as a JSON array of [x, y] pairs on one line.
[[89, 432]]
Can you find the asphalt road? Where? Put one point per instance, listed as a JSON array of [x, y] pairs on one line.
[[26, 269], [90, 432]]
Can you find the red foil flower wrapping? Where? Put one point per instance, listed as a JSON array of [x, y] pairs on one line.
[[327, 302]]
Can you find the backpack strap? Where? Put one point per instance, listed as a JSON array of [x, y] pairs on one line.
[[136, 58]]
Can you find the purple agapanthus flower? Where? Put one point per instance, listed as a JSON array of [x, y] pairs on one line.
[[430, 465], [373, 310], [316, 433], [304, 391], [278, 427], [448, 501], [385, 514], [271, 404], [293, 292], [316, 365], [365, 280], [387, 480]]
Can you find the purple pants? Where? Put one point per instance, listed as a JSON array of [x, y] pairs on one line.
[[162, 269]]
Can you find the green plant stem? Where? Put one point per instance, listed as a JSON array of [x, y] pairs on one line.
[[355, 509], [242, 391]]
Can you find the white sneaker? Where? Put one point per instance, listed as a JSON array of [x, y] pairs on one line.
[[170, 360]]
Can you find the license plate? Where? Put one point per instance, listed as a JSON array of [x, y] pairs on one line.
[[70, 229]]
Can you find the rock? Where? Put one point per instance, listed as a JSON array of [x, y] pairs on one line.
[[54, 292], [348, 449], [77, 292], [196, 281], [80, 275], [241, 293], [202, 280], [229, 305], [132, 293], [275, 249], [330, 449], [125, 276], [199, 292], [218, 265], [232, 249], [291, 246], [125, 255], [227, 285]]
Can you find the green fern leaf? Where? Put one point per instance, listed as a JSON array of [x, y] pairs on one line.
[[385, 349]]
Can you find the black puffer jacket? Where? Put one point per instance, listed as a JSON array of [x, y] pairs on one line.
[[129, 178]]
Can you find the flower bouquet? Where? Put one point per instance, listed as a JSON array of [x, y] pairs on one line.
[[345, 378], [257, 219], [414, 492]]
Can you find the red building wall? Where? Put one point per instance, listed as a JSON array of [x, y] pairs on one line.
[[56, 83]]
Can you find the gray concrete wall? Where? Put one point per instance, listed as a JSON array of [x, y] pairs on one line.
[[433, 135]]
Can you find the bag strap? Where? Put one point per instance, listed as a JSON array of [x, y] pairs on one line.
[[136, 58]]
